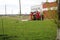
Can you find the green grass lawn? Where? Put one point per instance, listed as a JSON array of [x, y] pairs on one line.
[[28, 30]]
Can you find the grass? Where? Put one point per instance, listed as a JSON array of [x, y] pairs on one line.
[[28, 30]]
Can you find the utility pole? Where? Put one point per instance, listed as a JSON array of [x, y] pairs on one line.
[[3, 23], [5, 10], [12, 11], [20, 7]]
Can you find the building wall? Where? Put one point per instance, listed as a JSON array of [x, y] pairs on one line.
[[49, 14]]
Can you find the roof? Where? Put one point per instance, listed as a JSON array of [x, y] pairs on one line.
[[49, 4]]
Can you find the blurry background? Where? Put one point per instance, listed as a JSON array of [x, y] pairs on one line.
[[12, 6]]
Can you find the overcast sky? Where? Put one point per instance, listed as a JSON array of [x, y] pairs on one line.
[[12, 6]]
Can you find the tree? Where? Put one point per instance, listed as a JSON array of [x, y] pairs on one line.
[[58, 1]]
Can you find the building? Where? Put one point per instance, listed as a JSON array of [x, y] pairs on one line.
[[49, 9]]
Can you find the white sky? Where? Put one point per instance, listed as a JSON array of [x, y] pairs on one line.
[[13, 6]]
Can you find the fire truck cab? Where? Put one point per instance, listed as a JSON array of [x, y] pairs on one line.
[[35, 15]]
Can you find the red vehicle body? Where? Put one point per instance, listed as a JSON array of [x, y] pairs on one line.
[[35, 15]]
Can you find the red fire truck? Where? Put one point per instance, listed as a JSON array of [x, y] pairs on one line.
[[35, 15]]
